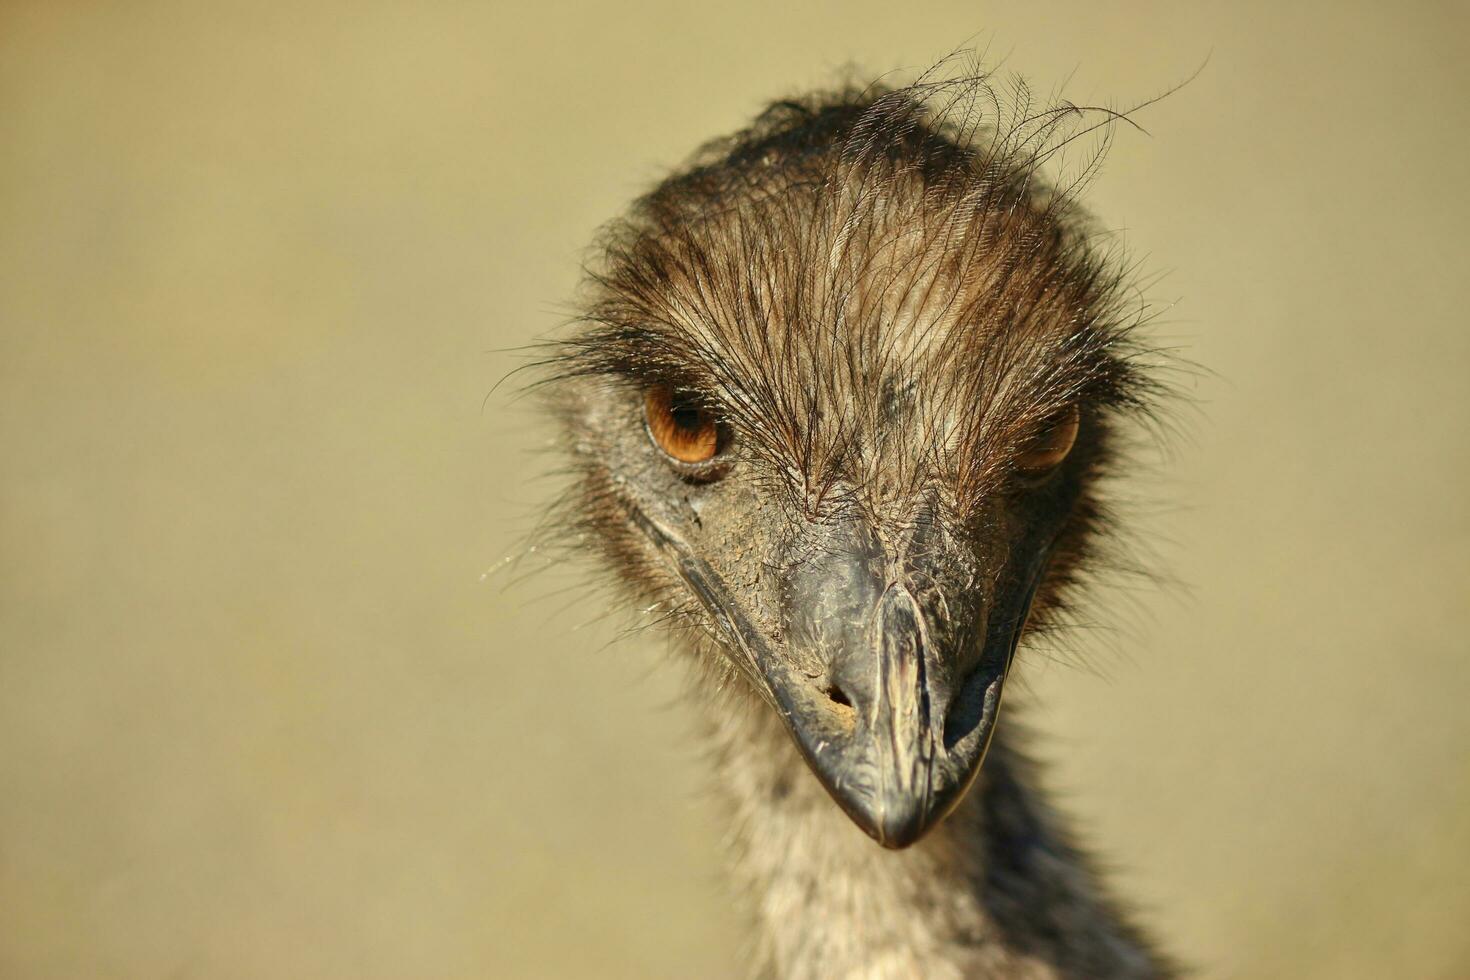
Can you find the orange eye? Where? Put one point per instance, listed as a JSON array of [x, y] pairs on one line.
[[1051, 447], [679, 426]]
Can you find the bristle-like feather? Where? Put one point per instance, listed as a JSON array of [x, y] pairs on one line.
[[855, 248]]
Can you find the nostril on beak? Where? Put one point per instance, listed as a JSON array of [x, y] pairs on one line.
[[842, 709]]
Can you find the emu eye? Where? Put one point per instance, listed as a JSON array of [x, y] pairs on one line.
[[679, 426], [1051, 447]]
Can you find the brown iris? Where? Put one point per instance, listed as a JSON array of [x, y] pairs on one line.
[[1052, 446], [680, 426]]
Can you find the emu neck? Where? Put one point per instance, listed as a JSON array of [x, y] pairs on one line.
[[994, 891]]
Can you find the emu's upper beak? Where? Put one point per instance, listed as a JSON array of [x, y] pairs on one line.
[[897, 726], [888, 741], [891, 704]]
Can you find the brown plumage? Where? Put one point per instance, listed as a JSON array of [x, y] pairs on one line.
[[838, 408]]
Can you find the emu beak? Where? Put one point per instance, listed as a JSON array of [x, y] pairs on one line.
[[896, 720], [898, 725], [877, 736]]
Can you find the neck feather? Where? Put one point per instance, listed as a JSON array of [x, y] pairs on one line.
[[994, 891]]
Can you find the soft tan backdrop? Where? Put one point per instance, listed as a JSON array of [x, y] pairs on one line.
[[259, 715]]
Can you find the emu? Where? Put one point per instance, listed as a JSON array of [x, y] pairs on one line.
[[839, 407]]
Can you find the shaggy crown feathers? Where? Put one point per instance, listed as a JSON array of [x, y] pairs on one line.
[[875, 288]]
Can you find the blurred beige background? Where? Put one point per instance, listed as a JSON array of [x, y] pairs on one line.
[[259, 715]]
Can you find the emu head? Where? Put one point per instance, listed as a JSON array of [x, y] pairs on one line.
[[837, 407]]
